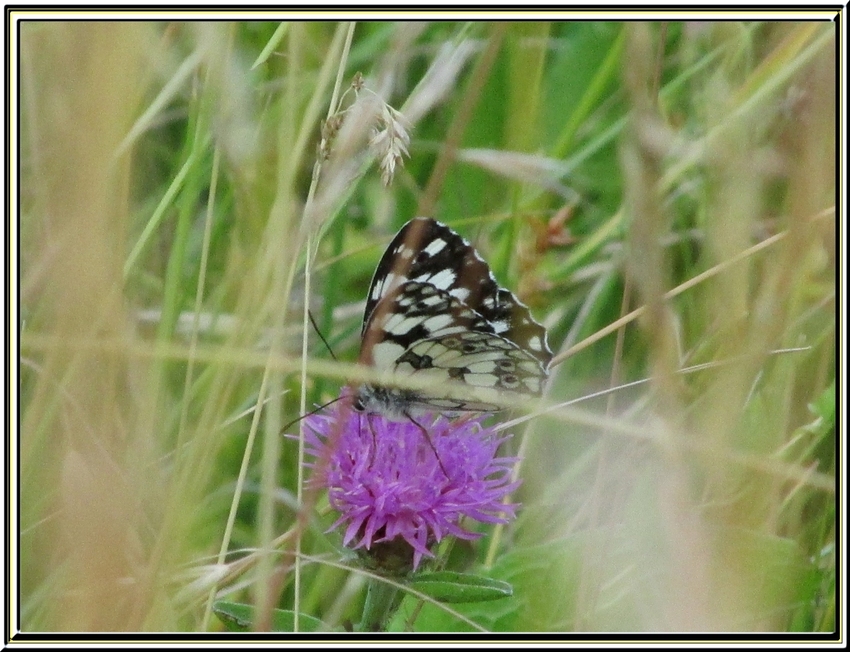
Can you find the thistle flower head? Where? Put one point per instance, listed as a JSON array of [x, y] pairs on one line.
[[390, 485]]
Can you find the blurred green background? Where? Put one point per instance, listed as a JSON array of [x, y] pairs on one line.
[[682, 169]]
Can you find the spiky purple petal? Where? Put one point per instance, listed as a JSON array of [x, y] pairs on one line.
[[386, 481]]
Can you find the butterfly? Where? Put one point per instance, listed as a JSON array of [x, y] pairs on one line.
[[434, 311]]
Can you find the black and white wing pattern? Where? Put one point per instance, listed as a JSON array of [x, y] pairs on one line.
[[435, 310]]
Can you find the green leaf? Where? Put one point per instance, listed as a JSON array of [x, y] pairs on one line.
[[271, 46], [447, 586], [238, 617]]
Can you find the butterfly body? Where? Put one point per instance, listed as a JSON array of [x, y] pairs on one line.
[[435, 312]]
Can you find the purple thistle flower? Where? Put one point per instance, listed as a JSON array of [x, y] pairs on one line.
[[389, 486]]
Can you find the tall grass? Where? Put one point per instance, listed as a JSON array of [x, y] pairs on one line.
[[679, 178]]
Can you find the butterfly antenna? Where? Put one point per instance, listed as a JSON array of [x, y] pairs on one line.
[[312, 412], [430, 443], [321, 337], [330, 350]]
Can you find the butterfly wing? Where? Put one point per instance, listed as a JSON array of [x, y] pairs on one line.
[[423, 250], [434, 309]]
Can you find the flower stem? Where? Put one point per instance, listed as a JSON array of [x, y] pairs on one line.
[[382, 599]]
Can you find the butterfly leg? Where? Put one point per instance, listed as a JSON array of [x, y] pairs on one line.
[[374, 439], [430, 443]]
